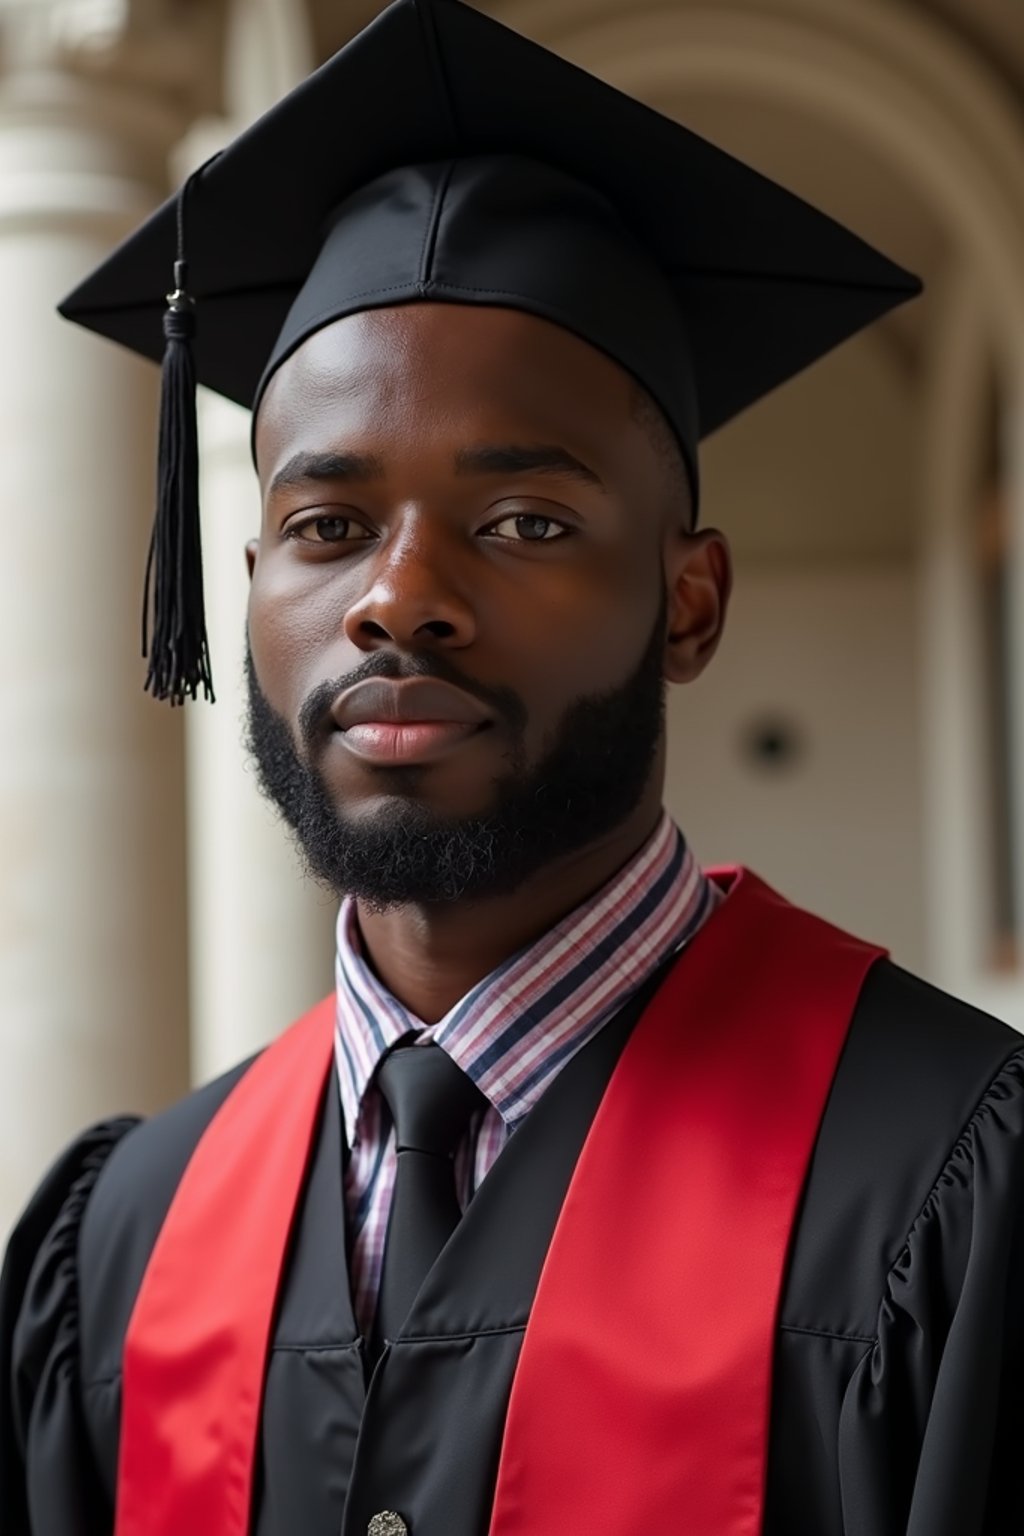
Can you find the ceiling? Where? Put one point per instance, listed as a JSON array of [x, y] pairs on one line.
[[993, 27], [830, 168]]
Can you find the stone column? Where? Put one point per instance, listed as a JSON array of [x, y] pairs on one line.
[[93, 965], [954, 766], [261, 935], [1012, 424]]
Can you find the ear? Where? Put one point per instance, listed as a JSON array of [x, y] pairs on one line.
[[251, 547], [698, 568]]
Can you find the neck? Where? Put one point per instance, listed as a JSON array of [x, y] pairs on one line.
[[429, 958]]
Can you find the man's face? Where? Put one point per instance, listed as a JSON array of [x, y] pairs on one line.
[[462, 494]]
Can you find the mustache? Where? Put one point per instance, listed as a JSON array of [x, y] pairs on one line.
[[315, 721]]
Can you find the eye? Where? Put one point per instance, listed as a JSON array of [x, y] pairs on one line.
[[531, 519], [329, 528]]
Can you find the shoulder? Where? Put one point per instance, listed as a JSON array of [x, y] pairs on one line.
[[916, 1063], [916, 1088], [902, 1015], [71, 1271], [126, 1210], [917, 1067], [40, 1440]]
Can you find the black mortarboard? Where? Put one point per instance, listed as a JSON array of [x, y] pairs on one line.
[[441, 156]]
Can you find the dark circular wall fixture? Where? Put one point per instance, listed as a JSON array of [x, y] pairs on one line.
[[773, 743]]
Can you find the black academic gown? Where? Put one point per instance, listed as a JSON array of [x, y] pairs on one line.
[[898, 1402]]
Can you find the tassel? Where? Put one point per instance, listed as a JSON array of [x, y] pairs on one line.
[[172, 608]]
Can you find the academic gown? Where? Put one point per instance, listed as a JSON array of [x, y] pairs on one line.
[[898, 1384]]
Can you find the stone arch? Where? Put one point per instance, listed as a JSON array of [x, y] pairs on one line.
[[894, 79], [891, 75]]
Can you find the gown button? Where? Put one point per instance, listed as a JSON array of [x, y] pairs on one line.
[[387, 1523]]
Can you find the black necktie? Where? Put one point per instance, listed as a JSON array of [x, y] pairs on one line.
[[431, 1101]]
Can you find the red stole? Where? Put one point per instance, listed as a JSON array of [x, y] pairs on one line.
[[641, 1398]]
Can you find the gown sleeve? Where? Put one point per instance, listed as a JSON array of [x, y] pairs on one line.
[[932, 1425], [47, 1483]]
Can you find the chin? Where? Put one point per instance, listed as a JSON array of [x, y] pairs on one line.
[[411, 789]]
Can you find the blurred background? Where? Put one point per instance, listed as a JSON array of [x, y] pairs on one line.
[[860, 738]]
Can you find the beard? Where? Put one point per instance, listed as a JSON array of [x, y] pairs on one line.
[[588, 781]]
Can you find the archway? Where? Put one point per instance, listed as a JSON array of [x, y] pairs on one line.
[[939, 129]]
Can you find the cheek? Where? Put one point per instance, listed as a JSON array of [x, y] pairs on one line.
[[583, 638], [292, 622]]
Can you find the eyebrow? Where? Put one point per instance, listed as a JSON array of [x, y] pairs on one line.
[[517, 459], [303, 468], [486, 459]]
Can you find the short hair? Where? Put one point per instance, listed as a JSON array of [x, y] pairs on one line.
[[648, 414]]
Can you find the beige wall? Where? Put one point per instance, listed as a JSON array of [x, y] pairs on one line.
[[826, 468], [818, 492]]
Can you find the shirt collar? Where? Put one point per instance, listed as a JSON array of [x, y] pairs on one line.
[[514, 1030]]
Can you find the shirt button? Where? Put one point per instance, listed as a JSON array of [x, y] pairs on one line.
[[387, 1523]]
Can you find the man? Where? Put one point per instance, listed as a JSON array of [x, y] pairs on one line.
[[604, 1195]]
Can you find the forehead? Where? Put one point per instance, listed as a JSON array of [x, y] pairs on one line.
[[448, 369]]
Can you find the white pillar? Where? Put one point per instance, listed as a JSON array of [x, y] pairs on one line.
[[958, 884], [1012, 393], [261, 934], [93, 1000]]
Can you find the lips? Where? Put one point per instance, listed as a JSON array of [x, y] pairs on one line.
[[413, 701], [416, 721]]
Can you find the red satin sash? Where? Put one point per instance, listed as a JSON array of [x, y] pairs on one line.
[[641, 1398], [196, 1348], [642, 1395]]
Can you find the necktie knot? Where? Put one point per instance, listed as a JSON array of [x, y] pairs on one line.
[[430, 1098]]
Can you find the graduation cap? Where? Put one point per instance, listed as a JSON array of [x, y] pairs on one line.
[[440, 156]]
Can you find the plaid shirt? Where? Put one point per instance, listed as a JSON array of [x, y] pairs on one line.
[[512, 1033]]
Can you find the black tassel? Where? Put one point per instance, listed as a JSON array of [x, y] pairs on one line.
[[173, 616]]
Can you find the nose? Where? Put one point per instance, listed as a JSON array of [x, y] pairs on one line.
[[413, 592]]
